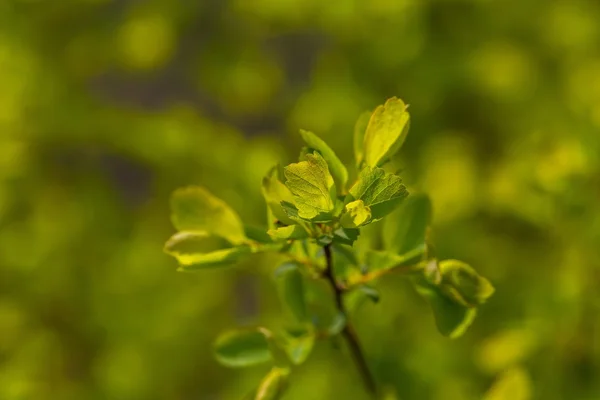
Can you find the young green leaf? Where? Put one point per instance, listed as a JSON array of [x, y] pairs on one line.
[[405, 229], [359, 136], [195, 209], [355, 214], [386, 132], [292, 232], [273, 384], [291, 290], [313, 188], [451, 318], [378, 190], [463, 284], [242, 348], [298, 344], [198, 250], [336, 168], [275, 192]]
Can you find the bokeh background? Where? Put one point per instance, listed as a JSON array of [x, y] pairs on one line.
[[107, 106]]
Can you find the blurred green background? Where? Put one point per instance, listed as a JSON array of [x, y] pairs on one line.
[[108, 106]]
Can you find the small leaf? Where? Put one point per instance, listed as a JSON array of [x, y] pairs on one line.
[[292, 232], [313, 188], [379, 190], [195, 209], [359, 136], [242, 348], [514, 384], [198, 250], [386, 132], [345, 236], [273, 384], [451, 318], [405, 229], [463, 284], [298, 344], [355, 214], [337, 169], [291, 290], [385, 260], [275, 192]]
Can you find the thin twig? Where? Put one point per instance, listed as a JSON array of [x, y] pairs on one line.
[[348, 332]]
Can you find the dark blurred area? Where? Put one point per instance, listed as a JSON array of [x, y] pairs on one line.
[[107, 106]]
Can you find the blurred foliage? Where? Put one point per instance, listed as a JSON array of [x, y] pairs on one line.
[[107, 106]]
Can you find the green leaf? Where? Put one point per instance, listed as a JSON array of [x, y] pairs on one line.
[[405, 229], [337, 169], [242, 348], [312, 186], [463, 284], [257, 234], [451, 318], [379, 190], [345, 236], [359, 136], [195, 209], [386, 132], [273, 384], [298, 344], [513, 384], [198, 250], [383, 260], [275, 192], [291, 290], [292, 232], [337, 325], [355, 214]]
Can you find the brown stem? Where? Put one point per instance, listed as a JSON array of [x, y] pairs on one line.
[[348, 332]]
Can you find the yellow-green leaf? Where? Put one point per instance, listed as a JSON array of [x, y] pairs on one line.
[[386, 132], [359, 136], [242, 348], [336, 167], [312, 186], [382, 192], [294, 232], [273, 384], [274, 192], [196, 209], [355, 214], [463, 284], [514, 384]]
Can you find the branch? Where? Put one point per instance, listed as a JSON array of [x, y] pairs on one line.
[[348, 332]]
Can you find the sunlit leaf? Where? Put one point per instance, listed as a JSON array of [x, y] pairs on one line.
[[355, 214], [463, 284], [514, 384], [273, 384], [359, 136], [195, 209], [386, 132], [405, 229], [288, 232], [336, 167], [312, 186], [382, 192], [275, 192], [242, 348]]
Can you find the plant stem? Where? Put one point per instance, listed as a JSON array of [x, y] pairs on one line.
[[348, 332]]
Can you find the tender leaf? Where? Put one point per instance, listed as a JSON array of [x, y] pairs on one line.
[[298, 344], [288, 232], [386, 132], [273, 384], [195, 209], [451, 318], [405, 229], [198, 250], [379, 190], [243, 348], [355, 214], [290, 285], [514, 384], [359, 136], [336, 168], [463, 284], [275, 192], [312, 186]]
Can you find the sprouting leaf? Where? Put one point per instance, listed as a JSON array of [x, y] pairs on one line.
[[273, 384], [275, 192], [386, 132], [243, 348], [513, 384], [195, 209], [405, 229], [451, 318], [359, 136], [355, 214], [291, 290], [288, 232], [336, 168], [298, 344], [198, 250], [463, 284], [313, 188], [379, 190]]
